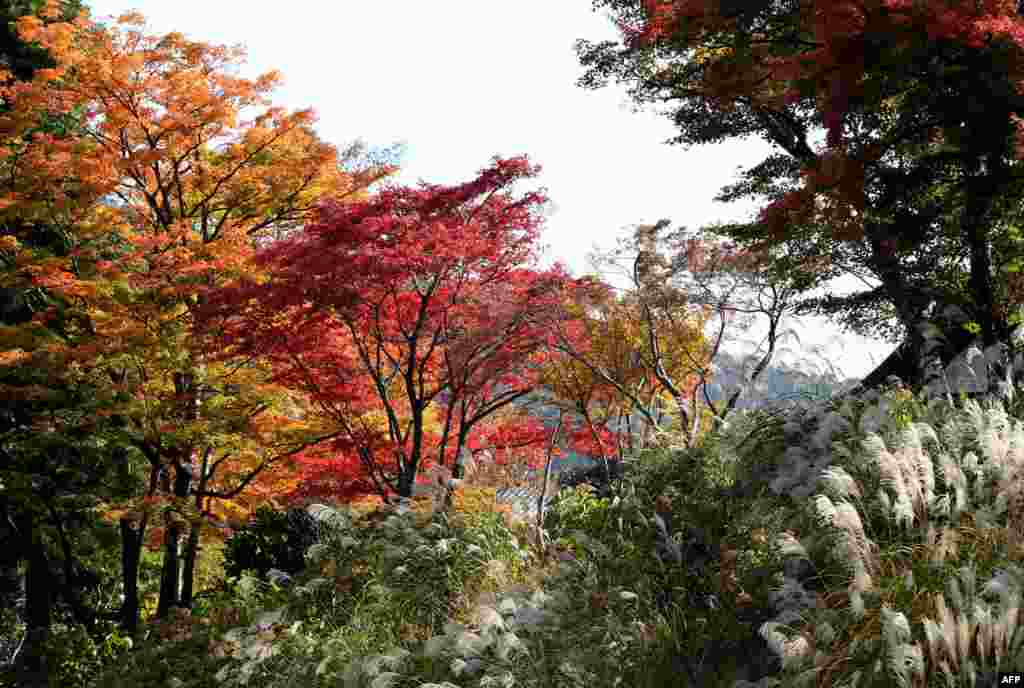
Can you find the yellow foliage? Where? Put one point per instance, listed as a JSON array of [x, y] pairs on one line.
[[613, 351], [468, 503], [707, 54]]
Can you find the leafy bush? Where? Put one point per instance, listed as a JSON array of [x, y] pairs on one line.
[[176, 653], [272, 540], [595, 476], [76, 657], [368, 586]]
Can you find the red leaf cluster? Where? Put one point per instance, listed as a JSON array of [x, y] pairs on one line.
[[407, 318]]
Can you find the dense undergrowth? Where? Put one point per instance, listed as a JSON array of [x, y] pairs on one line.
[[871, 543]]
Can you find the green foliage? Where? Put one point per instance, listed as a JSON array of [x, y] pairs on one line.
[[176, 654], [577, 509], [75, 656], [368, 586], [272, 540]]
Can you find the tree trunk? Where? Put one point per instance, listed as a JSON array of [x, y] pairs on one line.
[[905, 362], [192, 548], [32, 666], [189, 566], [131, 552], [170, 574], [541, 539], [170, 578], [12, 584], [406, 480]]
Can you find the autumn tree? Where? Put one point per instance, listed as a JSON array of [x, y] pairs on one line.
[[175, 171], [23, 58], [51, 481], [920, 106], [640, 344], [695, 295], [594, 405], [415, 307], [734, 288], [611, 404]]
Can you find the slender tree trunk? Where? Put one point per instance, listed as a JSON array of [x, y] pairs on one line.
[[600, 447], [458, 468], [170, 573], [12, 583], [406, 480], [192, 547], [32, 666], [188, 569], [541, 542], [170, 579], [69, 590], [131, 552]]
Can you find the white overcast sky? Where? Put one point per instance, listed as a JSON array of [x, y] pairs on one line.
[[460, 81]]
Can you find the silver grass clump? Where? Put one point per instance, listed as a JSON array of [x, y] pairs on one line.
[[794, 651], [933, 471], [789, 545], [990, 478], [974, 461], [838, 481], [328, 517], [943, 543], [904, 659], [975, 638], [910, 475], [852, 545], [956, 480]]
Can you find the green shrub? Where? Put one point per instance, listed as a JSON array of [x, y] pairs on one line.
[[272, 540]]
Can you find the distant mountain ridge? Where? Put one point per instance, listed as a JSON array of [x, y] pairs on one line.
[[778, 382]]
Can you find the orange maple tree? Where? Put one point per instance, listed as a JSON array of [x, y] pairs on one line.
[[170, 172]]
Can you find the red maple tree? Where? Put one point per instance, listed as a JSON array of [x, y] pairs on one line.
[[408, 319], [921, 101]]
